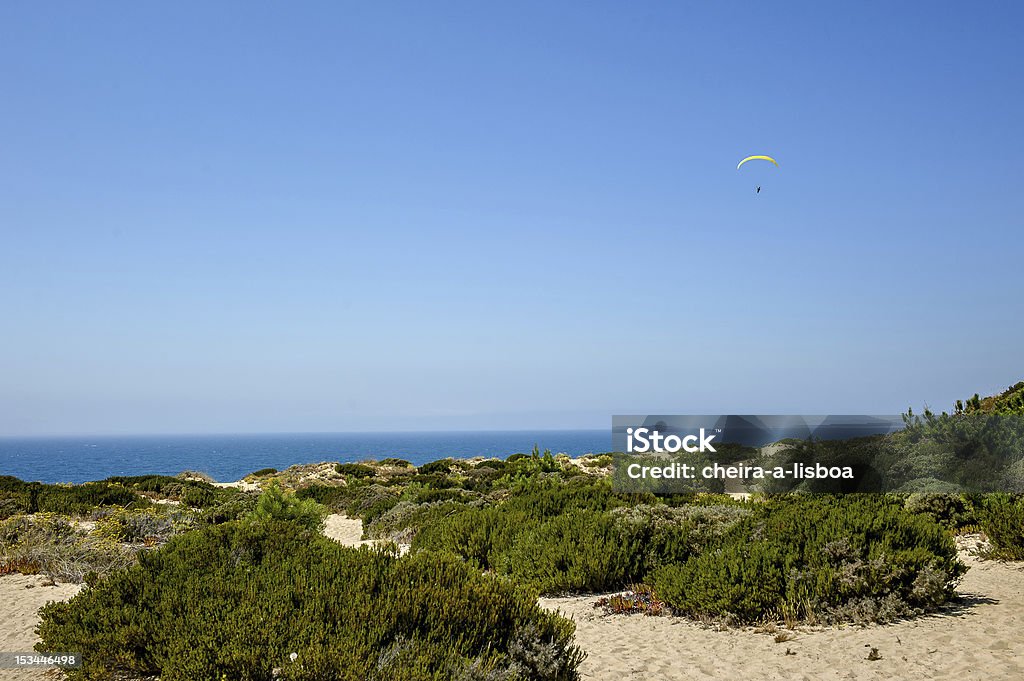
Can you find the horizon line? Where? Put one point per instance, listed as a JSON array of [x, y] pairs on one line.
[[296, 432]]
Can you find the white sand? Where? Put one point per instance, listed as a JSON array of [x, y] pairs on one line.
[[349, 531], [982, 638], [21, 597], [239, 484], [345, 530]]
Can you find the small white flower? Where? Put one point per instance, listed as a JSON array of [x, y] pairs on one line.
[[293, 656]]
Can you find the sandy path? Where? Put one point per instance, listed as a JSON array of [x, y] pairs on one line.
[[349, 531], [21, 596], [345, 530], [982, 638]]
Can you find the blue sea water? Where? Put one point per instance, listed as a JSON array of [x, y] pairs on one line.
[[229, 457]]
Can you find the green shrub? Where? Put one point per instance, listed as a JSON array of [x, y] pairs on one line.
[[81, 500], [334, 498], [1002, 520], [195, 493], [373, 507], [199, 497], [558, 536], [48, 544], [400, 463], [355, 470], [482, 478], [952, 511], [427, 496], [477, 535], [492, 464], [588, 551], [233, 508], [264, 472], [434, 480], [441, 466], [820, 558], [705, 525], [236, 600], [11, 506], [532, 465], [274, 504], [153, 525], [358, 499]]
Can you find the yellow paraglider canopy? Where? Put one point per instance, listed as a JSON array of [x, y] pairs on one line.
[[757, 158]]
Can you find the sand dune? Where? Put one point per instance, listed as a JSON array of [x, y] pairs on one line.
[[345, 530], [21, 596], [982, 637]]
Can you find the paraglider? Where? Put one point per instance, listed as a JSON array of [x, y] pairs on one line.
[[758, 158]]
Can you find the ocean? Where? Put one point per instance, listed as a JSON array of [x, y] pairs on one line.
[[229, 457]]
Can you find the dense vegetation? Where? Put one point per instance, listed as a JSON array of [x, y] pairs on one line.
[[237, 600], [827, 558], [17, 496], [575, 536], [1002, 520], [98, 527]]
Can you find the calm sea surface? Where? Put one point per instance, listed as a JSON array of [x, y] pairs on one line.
[[229, 457]]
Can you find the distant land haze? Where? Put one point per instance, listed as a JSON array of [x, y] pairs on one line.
[[230, 457]]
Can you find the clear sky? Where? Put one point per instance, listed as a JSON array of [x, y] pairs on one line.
[[256, 216]]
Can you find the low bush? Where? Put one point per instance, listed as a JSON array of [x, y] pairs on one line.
[[492, 464], [482, 478], [359, 499], [187, 490], [952, 511], [264, 472], [401, 523], [232, 509], [860, 558], [275, 504], [704, 524], [151, 526], [441, 466], [199, 497], [434, 480], [237, 600], [585, 551], [76, 500], [1001, 518], [334, 498], [562, 536], [355, 470], [48, 544]]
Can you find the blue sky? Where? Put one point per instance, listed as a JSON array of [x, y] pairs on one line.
[[252, 217]]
